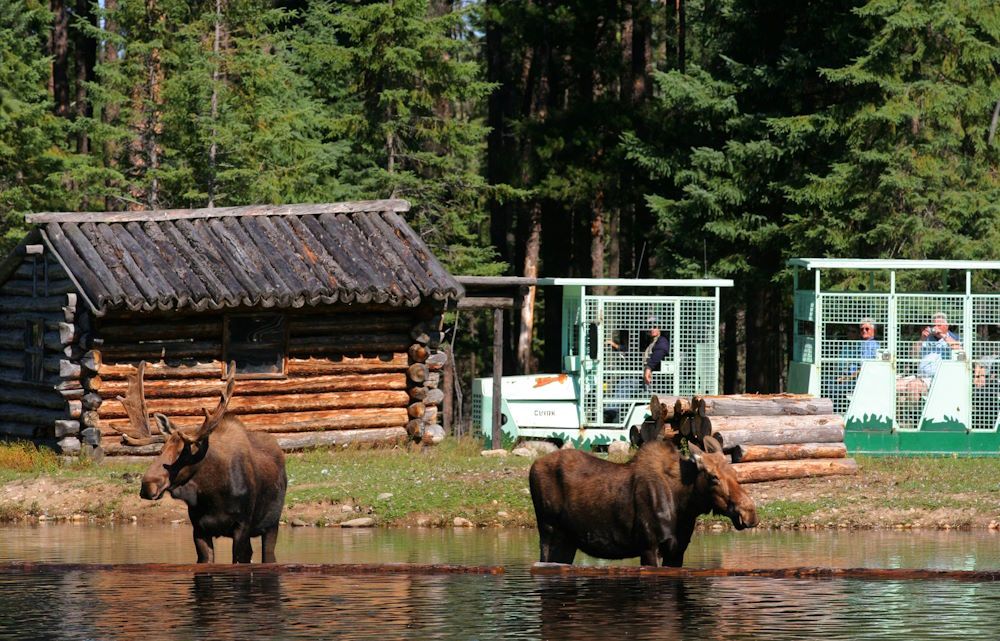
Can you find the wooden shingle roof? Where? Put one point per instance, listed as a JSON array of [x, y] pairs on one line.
[[270, 256]]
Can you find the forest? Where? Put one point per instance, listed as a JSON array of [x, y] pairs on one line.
[[594, 138]]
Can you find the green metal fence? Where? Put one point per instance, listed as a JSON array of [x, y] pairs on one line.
[[927, 379]]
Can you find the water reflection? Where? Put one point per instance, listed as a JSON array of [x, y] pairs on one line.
[[123, 604]]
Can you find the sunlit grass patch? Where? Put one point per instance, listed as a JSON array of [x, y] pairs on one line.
[[24, 456]]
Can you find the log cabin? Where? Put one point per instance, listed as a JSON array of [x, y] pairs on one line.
[[332, 313]]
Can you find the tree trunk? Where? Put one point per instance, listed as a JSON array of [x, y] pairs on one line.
[[59, 50], [85, 57], [111, 110], [531, 253], [216, 76]]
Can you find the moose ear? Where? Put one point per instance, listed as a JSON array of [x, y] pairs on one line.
[[166, 426], [712, 445]]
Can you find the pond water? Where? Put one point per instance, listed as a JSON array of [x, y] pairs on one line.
[[79, 604]]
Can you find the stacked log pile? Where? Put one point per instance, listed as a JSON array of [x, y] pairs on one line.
[[348, 378], [424, 381], [770, 437]]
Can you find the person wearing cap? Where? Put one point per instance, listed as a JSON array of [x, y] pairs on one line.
[[656, 351]]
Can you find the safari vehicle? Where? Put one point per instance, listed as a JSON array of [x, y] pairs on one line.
[[600, 393]]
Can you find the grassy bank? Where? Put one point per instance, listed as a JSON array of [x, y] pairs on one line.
[[433, 486]]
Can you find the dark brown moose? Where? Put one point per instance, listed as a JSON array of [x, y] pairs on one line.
[[232, 480], [646, 507]]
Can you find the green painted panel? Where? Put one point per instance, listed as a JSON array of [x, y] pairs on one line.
[[923, 443], [869, 423]]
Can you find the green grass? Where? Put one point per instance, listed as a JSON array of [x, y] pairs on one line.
[[441, 482], [452, 480]]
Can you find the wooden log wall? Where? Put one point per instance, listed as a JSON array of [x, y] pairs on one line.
[[352, 376], [48, 410]]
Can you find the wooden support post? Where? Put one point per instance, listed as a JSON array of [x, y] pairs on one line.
[[448, 387], [497, 375]]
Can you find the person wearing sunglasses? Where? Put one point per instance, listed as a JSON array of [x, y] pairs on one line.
[[865, 349]]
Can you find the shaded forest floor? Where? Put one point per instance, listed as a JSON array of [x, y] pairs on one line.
[[437, 486]]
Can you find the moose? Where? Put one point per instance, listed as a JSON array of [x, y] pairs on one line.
[[232, 480], [646, 507]]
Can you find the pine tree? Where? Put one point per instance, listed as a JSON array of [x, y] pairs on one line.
[[917, 177], [30, 156], [403, 94]]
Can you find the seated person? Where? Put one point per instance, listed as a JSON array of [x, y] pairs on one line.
[[936, 343], [864, 346]]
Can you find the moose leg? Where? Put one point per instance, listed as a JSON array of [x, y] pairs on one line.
[[267, 542], [554, 546], [650, 557], [242, 550], [203, 546], [672, 554]]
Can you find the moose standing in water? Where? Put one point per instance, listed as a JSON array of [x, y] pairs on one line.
[[646, 507], [232, 480]]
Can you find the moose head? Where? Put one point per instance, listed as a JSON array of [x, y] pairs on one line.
[[724, 492], [183, 448]]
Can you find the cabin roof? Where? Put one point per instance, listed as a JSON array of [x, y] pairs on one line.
[[270, 256]]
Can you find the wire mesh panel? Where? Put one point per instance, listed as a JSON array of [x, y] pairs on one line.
[[851, 332], [985, 362], [918, 352], [623, 332]]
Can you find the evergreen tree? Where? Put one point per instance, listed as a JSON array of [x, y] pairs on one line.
[[403, 90], [917, 177], [208, 109], [30, 135]]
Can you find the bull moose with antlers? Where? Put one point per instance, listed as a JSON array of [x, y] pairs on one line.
[[646, 507], [232, 480]]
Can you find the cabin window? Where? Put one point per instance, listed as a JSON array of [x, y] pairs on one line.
[[258, 343], [34, 350]]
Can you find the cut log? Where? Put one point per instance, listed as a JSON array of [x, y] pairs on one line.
[[434, 397], [69, 369], [348, 344], [31, 394], [417, 372], [417, 393], [790, 452], [341, 438], [755, 405], [830, 433], [67, 333], [317, 384], [90, 419], [74, 408], [92, 400], [287, 441], [763, 471], [416, 410], [415, 427], [91, 362], [418, 353], [65, 428], [297, 367], [91, 383], [726, 423], [437, 361], [30, 415], [293, 421], [267, 403]]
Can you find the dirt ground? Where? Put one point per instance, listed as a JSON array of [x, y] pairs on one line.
[[869, 500]]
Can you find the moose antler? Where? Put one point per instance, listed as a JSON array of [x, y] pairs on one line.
[[138, 417], [213, 418]]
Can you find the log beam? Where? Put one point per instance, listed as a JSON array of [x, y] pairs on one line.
[[763, 471], [789, 452]]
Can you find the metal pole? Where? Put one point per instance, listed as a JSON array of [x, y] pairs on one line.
[[497, 374]]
